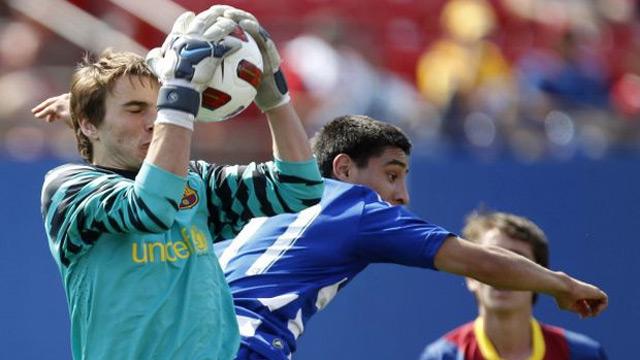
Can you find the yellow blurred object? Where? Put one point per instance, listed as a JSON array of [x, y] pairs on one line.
[[461, 60], [468, 20], [448, 68]]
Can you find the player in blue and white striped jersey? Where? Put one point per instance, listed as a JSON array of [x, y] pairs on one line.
[[284, 269], [132, 230]]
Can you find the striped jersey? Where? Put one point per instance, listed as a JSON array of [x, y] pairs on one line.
[[284, 269], [135, 251], [470, 342]]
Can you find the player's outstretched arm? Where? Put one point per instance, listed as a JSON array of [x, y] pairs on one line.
[[505, 269]]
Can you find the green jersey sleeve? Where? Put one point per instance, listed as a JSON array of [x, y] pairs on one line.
[[81, 202], [236, 194]]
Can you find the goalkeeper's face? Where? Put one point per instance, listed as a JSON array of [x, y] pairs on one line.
[[123, 138]]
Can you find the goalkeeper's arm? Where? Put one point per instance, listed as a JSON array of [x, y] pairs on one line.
[[290, 142]]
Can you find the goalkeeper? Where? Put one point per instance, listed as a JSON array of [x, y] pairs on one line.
[[132, 229]]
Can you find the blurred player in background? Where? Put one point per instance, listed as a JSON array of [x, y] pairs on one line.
[[505, 327], [132, 229], [284, 269]]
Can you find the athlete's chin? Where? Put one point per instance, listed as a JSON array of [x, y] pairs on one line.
[[501, 300], [139, 159], [143, 152]]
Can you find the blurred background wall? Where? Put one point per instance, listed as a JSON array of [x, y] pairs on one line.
[[530, 106]]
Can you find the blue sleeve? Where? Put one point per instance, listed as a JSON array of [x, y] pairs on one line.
[[392, 234], [440, 350]]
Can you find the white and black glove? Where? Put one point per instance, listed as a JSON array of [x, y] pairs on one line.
[[186, 63], [273, 90]]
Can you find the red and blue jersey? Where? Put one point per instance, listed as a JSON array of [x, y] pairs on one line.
[[469, 342]]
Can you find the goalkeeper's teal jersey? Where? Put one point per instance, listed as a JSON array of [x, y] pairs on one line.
[[136, 258]]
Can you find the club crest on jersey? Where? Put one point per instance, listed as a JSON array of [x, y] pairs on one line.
[[189, 198]]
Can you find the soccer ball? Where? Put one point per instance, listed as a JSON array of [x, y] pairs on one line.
[[235, 82]]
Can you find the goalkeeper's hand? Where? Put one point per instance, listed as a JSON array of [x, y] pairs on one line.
[[186, 63], [273, 91]]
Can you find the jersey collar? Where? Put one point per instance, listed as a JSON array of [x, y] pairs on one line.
[[490, 353], [126, 173]]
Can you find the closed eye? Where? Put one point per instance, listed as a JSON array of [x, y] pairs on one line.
[[136, 107]]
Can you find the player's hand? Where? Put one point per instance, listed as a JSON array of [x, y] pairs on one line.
[[193, 50], [273, 90], [188, 22], [54, 109], [582, 298], [186, 63]]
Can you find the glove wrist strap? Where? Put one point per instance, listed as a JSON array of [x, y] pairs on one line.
[[179, 98], [175, 117], [285, 99], [280, 92], [177, 105]]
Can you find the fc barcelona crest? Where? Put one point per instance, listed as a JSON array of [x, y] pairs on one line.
[[189, 198]]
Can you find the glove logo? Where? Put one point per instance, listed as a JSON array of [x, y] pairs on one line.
[[172, 97], [189, 198]]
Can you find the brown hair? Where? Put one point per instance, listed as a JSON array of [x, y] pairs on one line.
[[514, 226], [358, 136], [92, 81]]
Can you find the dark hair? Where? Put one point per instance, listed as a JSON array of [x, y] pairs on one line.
[[514, 226], [358, 136], [90, 84]]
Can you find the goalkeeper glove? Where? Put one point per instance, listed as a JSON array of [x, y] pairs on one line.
[[186, 63], [273, 90]]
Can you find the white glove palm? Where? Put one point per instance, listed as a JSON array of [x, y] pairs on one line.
[[187, 61]]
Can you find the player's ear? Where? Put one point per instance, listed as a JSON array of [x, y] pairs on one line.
[[342, 167], [88, 129]]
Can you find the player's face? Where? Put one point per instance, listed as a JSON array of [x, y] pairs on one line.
[[125, 133], [387, 175], [494, 300]]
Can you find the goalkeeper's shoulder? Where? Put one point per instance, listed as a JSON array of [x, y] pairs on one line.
[[58, 176], [298, 182], [64, 178], [303, 172], [293, 184]]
